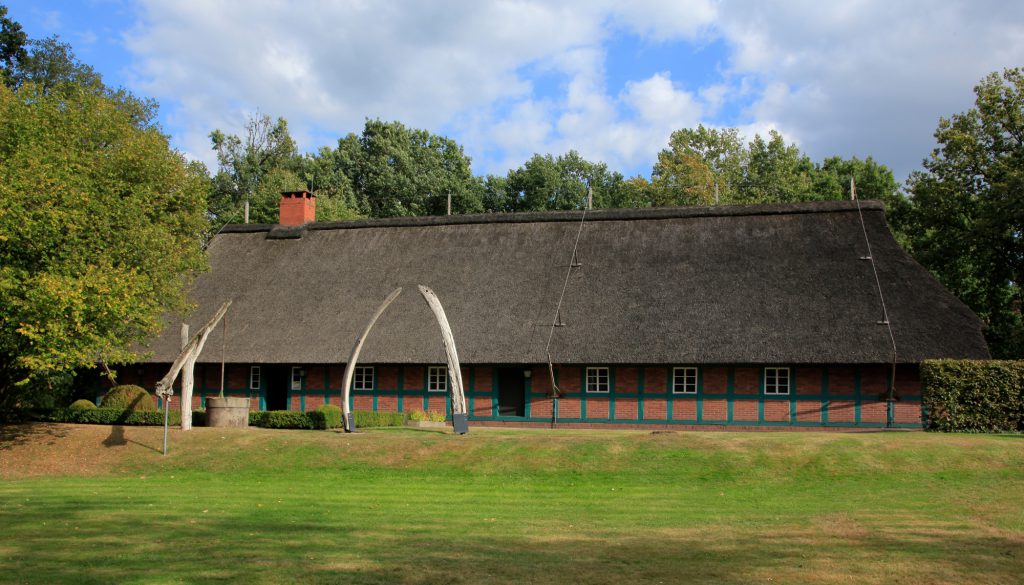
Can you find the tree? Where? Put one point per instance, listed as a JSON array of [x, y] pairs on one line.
[[398, 171], [696, 161], [52, 65], [100, 220], [549, 183], [968, 208], [244, 163], [12, 47]]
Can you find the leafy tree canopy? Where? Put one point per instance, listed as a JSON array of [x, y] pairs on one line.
[[968, 208], [99, 220]]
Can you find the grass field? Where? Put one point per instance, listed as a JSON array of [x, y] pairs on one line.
[[94, 504]]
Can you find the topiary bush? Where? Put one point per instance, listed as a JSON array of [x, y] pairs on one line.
[[973, 396], [129, 397], [328, 416], [82, 404]]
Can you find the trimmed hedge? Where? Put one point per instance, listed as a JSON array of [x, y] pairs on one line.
[[331, 415], [367, 419], [973, 396], [293, 419], [281, 419], [107, 416]]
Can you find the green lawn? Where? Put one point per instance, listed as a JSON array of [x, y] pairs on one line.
[[95, 505]]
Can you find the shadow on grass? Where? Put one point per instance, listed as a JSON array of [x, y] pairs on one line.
[[86, 544], [13, 435]]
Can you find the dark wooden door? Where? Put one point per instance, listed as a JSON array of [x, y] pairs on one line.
[[511, 392], [277, 380]]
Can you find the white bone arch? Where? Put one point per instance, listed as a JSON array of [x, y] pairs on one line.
[[457, 392]]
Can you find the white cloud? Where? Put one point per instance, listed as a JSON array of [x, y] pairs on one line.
[[512, 78]]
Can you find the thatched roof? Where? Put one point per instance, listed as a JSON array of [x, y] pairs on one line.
[[713, 285]]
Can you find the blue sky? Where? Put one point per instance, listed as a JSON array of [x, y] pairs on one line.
[[507, 79]]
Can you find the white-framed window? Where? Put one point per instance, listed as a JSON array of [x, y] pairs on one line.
[[297, 378], [363, 379], [254, 377], [684, 380], [598, 380], [437, 379], [776, 381]]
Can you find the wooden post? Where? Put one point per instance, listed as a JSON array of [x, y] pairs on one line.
[[186, 384], [187, 360]]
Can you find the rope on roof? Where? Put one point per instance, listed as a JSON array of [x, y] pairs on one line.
[[574, 262], [881, 299]]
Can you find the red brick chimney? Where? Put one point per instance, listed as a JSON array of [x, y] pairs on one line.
[[297, 208]]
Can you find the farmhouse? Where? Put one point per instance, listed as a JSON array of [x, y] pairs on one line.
[[766, 315]]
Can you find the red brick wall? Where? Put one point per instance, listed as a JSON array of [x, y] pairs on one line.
[[714, 410], [840, 381], [746, 381], [808, 411], [569, 380], [313, 401], [841, 411], [362, 402], [436, 402], [627, 380], [482, 406], [808, 381], [484, 379], [540, 376], [626, 409], [387, 378], [874, 383], [569, 407], [540, 408], [743, 410], [908, 381], [872, 411], [716, 381], [597, 407], [337, 375], [295, 403], [908, 412], [386, 403], [686, 409], [776, 410], [413, 378], [315, 379], [411, 403], [655, 381], [655, 409]]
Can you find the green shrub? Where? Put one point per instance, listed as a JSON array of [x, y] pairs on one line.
[[129, 397], [107, 416], [331, 416], [82, 404], [435, 416], [973, 396], [417, 415], [368, 419], [281, 419]]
